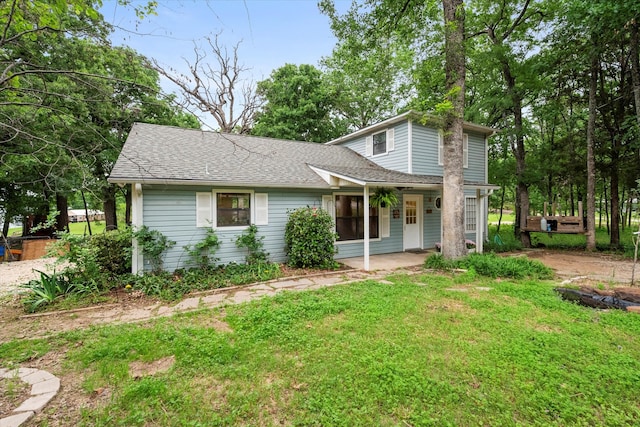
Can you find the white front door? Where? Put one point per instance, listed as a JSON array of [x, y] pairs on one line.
[[412, 229]]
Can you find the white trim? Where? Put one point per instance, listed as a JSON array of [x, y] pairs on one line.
[[365, 197], [137, 220], [368, 146], [440, 148], [465, 150], [410, 146]]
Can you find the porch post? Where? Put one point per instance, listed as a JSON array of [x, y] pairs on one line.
[[137, 260], [366, 228], [479, 225]]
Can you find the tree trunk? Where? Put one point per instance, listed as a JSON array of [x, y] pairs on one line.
[[615, 202], [453, 245], [62, 206], [591, 162], [109, 203]]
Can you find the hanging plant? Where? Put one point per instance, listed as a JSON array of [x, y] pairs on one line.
[[384, 197]]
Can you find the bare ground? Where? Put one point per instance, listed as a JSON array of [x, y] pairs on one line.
[[65, 408]]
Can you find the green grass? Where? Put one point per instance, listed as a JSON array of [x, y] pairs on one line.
[[74, 227], [418, 352]]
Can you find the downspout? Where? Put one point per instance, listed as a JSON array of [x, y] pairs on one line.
[[366, 227]]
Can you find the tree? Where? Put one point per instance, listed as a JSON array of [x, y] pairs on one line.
[[67, 101], [453, 178], [218, 90], [299, 106]]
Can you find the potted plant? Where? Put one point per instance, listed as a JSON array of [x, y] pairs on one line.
[[384, 197]]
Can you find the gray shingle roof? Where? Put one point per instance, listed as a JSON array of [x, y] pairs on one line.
[[165, 154]]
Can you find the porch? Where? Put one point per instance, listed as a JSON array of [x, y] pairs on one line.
[[388, 261]]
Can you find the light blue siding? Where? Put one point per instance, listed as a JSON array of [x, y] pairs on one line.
[[477, 158], [432, 220], [398, 159], [425, 151]]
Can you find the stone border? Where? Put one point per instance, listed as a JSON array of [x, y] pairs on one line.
[[44, 387]]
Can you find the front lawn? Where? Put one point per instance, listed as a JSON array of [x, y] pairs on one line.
[[426, 350]]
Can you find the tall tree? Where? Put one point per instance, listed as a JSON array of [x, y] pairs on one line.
[[299, 105], [453, 180]]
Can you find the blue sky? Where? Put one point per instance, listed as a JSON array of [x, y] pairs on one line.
[[272, 32]]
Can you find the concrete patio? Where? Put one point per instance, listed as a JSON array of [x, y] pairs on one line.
[[389, 261]]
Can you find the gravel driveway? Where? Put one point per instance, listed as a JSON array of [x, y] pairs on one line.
[[14, 274]]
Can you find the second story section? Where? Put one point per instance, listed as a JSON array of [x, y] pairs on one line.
[[409, 143]]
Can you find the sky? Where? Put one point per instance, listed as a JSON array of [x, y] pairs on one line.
[[272, 32]]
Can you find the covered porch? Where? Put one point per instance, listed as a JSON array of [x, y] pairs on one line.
[[411, 211], [389, 261]]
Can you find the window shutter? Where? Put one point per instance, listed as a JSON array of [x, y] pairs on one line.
[[369, 146], [328, 205], [203, 210], [440, 148], [385, 222], [391, 145], [465, 150], [261, 208]]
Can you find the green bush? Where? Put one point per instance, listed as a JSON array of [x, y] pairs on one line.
[[153, 244], [202, 252], [253, 244], [113, 251], [492, 265], [310, 239]]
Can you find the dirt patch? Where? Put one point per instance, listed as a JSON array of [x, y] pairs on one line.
[[13, 391], [598, 267], [139, 369]]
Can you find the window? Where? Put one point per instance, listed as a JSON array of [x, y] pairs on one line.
[[228, 208], [349, 211], [470, 214], [380, 143], [465, 150], [233, 209]]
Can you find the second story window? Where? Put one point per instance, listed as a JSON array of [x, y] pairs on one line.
[[380, 143]]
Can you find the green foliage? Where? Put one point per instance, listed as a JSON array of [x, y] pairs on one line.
[[254, 245], [113, 251], [174, 286], [299, 106], [310, 239], [202, 253], [153, 245], [93, 261], [46, 290], [384, 197], [492, 265]]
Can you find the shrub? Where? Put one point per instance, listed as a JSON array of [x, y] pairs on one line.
[[202, 252], [494, 266], [255, 246], [46, 290], [310, 239], [153, 244], [113, 251]]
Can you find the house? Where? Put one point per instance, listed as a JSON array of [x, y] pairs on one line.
[[80, 215], [185, 181]]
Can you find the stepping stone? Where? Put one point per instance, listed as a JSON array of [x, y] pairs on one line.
[[35, 403], [16, 420]]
